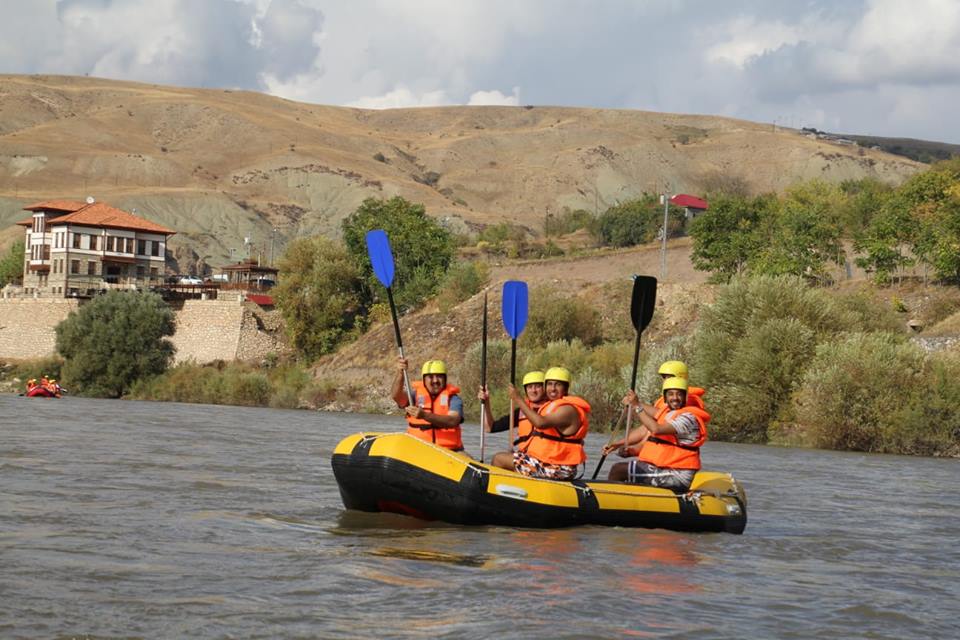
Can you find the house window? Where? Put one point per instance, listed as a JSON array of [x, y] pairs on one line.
[[154, 272], [141, 247], [46, 252], [91, 268], [76, 240], [155, 248], [74, 266], [95, 243]]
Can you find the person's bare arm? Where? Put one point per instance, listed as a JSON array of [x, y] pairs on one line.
[[398, 390], [565, 419]]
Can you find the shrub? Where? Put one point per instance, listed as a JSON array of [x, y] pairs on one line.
[[556, 316], [463, 280], [27, 369], [755, 342], [113, 341], [858, 388]]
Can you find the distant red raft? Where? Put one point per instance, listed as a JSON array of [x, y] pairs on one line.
[[40, 391]]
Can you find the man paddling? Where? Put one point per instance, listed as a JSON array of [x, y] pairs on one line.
[[533, 387], [669, 454], [555, 448], [437, 411]]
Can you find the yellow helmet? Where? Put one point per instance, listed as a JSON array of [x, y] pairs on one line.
[[558, 373], [673, 368], [533, 377], [433, 366], [675, 382]]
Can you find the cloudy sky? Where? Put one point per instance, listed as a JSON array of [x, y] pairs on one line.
[[880, 67]]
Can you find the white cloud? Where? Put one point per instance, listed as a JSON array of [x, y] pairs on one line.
[[402, 97], [746, 38], [495, 98]]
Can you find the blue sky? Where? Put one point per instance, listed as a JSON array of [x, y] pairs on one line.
[[881, 67]]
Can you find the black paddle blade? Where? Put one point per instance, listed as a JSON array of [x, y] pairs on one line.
[[643, 301]]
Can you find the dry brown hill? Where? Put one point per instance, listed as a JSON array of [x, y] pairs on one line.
[[220, 165]]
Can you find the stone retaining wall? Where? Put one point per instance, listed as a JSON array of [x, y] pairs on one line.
[[27, 326], [206, 330]]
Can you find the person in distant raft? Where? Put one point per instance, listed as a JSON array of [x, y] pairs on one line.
[[533, 387], [555, 447], [669, 454], [437, 411]]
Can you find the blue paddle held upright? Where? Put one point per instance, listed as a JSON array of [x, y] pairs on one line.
[[514, 312], [381, 259]]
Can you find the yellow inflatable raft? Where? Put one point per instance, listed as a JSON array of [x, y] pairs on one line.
[[398, 473]]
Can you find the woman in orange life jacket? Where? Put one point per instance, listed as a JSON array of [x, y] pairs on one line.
[[555, 448], [437, 411], [669, 454], [536, 397]]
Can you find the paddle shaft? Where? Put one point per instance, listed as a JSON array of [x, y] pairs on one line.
[[483, 377], [513, 381], [396, 331]]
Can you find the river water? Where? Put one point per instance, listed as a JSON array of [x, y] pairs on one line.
[[156, 520]]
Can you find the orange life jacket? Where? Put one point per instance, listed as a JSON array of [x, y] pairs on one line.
[[663, 450], [524, 428], [694, 399], [551, 446], [448, 437]]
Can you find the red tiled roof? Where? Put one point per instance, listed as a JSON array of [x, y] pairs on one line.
[[99, 214], [693, 202], [56, 205]]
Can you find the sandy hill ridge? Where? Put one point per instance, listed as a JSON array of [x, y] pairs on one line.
[[223, 165]]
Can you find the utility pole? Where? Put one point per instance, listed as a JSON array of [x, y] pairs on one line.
[[663, 245], [273, 231]]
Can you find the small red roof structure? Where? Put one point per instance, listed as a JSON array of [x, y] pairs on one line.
[[689, 202], [260, 299], [94, 214]]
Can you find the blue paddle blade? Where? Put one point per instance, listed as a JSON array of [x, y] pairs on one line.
[[514, 309], [378, 246]]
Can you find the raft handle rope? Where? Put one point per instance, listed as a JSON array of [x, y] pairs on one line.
[[586, 490]]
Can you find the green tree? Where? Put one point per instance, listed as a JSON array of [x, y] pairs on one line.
[[882, 241], [862, 200], [318, 295], [805, 235], [11, 265], [113, 341], [726, 237], [635, 222], [422, 249]]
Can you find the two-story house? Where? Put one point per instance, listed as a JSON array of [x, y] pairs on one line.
[[78, 249]]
